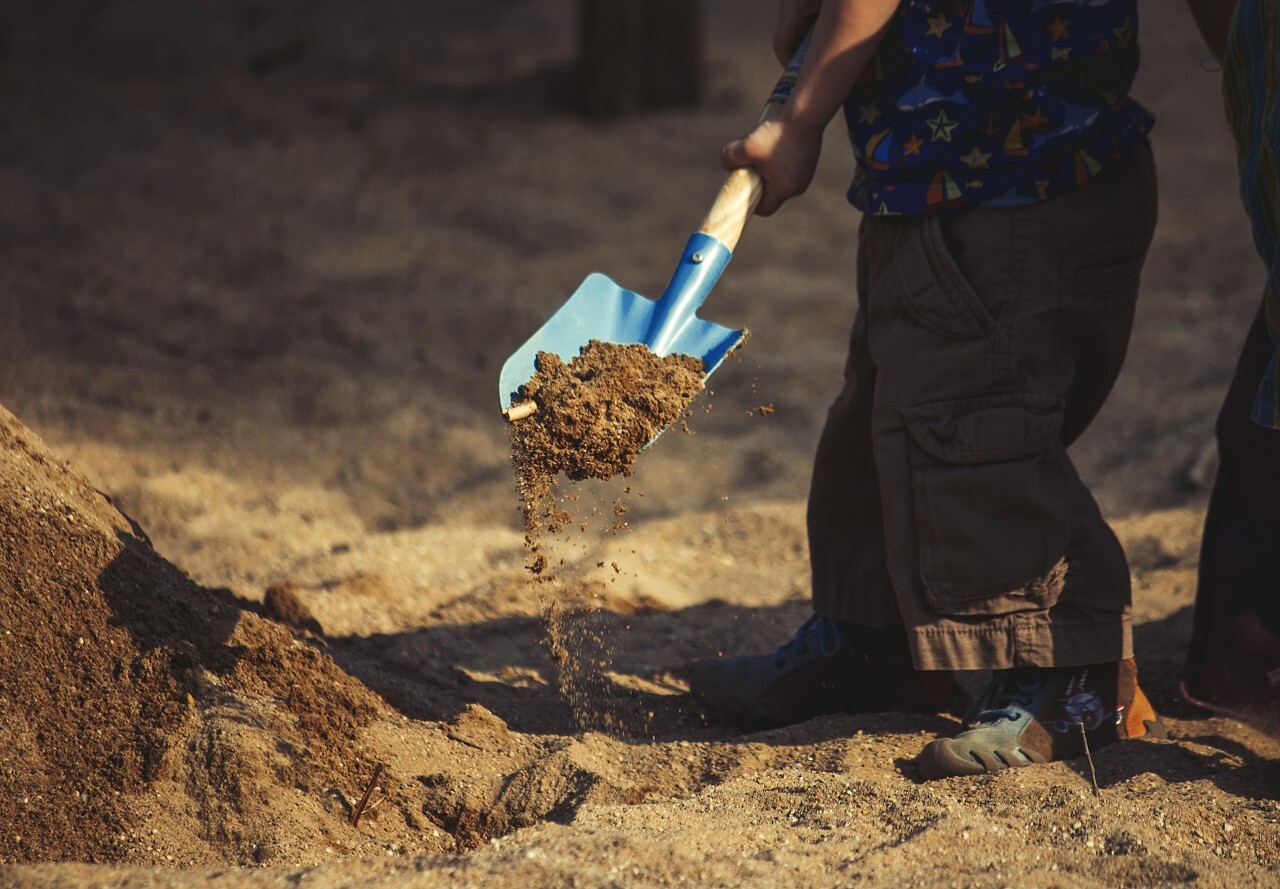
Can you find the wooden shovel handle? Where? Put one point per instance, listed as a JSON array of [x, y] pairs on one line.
[[520, 410], [743, 187], [735, 203]]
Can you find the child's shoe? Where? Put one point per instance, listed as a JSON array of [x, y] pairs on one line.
[[828, 667], [1035, 714]]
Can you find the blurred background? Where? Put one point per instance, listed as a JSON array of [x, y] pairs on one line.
[[260, 262]]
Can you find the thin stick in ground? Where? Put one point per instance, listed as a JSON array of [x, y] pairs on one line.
[[364, 800], [1093, 773]]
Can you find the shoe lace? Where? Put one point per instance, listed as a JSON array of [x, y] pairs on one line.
[[1011, 695], [817, 634]]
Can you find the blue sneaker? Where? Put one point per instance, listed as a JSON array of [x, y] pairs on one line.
[[1034, 715], [828, 667]]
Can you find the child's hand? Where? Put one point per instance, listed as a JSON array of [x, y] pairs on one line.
[[784, 148], [784, 152]]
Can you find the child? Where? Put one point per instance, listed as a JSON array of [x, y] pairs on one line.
[[1233, 663], [1009, 199]]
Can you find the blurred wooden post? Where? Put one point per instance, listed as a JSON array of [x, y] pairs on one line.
[[638, 54], [671, 58]]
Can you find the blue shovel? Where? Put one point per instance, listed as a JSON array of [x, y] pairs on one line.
[[601, 310]]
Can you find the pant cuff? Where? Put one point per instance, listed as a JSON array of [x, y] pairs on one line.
[[1019, 640]]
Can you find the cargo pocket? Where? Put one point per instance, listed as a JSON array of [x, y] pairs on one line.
[[934, 289], [1107, 272], [991, 498]]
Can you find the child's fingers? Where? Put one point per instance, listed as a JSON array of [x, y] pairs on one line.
[[767, 206], [735, 155]]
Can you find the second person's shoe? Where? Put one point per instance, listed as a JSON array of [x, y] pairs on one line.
[[828, 667]]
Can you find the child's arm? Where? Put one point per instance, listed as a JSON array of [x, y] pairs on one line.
[[1213, 18], [785, 150]]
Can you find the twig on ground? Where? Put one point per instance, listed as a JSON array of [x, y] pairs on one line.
[[364, 800], [1093, 773]]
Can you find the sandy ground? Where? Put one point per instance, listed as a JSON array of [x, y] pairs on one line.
[[260, 265]]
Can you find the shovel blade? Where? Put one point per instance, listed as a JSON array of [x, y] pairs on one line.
[[602, 310]]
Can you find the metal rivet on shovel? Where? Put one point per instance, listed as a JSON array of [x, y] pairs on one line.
[[601, 310]]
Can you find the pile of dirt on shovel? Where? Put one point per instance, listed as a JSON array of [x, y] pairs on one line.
[[597, 412], [144, 718], [592, 418]]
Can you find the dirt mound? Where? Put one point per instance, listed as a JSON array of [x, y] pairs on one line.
[[115, 670]]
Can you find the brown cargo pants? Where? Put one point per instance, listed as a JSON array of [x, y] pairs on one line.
[[943, 498]]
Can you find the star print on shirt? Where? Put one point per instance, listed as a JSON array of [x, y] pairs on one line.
[[942, 126], [1124, 33], [1034, 121], [976, 160], [868, 113], [912, 146], [938, 25], [1059, 29]]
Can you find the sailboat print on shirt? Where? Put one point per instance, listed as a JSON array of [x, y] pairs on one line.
[[977, 21], [1086, 167], [1010, 50], [1013, 144], [943, 192]]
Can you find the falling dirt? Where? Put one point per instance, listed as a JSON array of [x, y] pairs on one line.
[[594, 416]]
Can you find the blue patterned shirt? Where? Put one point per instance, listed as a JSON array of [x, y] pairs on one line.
[[994, 103]]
